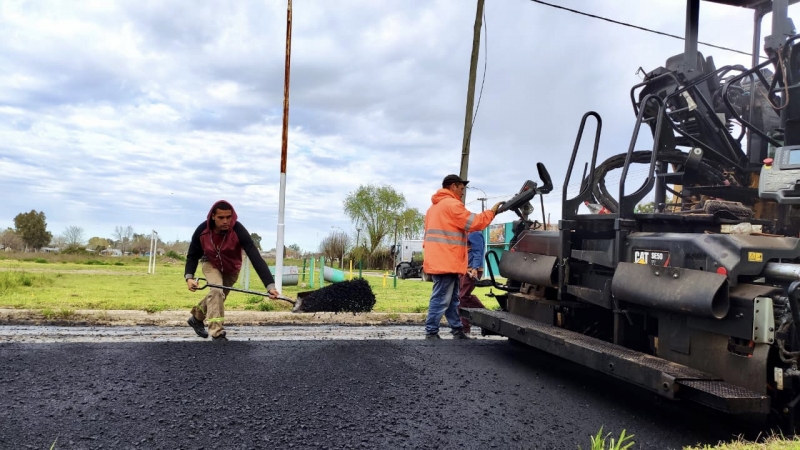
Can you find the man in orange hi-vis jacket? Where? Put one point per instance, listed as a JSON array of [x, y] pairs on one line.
[[447, 224]]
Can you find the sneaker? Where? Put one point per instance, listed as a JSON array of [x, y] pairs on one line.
[[198, 327], [220, 336], [459, 334], [432, 336]]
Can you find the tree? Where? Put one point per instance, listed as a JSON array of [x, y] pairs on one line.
[[32, 228], [73, 236], [11, 239], [141, 243], [335, 246], [645, 208], [58, 242], [294, 251], [98, 244], [256, 240], [411, 224], [374, 210], [123, 236]]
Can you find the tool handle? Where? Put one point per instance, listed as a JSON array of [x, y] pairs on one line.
[[263, 294]]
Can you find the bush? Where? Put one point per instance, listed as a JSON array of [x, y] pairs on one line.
[[40, 261], [74, 250], [94, 262], [174, 255]]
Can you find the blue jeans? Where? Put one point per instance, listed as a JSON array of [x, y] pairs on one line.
[[444, 301]]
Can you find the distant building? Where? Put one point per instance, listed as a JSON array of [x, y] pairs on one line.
[[50, 249], [111, 252]]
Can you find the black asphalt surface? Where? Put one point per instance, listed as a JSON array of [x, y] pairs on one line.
[[324, 394]]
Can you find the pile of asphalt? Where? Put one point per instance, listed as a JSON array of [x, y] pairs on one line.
[[353, 296]]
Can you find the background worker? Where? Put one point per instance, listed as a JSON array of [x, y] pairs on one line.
[[447, 223], [218, 243], [476, 245]]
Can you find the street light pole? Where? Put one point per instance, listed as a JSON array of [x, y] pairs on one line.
[[341, 261]]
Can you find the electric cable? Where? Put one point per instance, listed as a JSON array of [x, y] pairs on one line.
[[625, 24]]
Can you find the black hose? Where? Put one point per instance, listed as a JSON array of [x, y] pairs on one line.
[[793, 306], [712, 174]]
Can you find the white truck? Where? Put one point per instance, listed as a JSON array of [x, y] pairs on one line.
[[408, 259]]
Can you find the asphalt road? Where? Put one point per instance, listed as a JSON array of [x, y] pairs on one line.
[[376, 393]]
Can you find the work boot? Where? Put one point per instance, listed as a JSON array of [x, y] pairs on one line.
[[432, 336], [198, 327], [220, 337], [459, 334]]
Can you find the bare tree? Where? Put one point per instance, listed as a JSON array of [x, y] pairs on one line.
[[58, 242], [73, 236], [335, 246], [123, 236], [10, 239]]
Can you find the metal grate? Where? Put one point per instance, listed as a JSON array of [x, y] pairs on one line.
[[721, 389]]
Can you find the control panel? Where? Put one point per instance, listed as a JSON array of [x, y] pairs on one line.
[[780, 176]]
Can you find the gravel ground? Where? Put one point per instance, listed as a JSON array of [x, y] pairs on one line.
[[389, 389]]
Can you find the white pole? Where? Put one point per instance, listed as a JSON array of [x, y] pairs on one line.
[[284, 147], [279, 246], [150, 256]]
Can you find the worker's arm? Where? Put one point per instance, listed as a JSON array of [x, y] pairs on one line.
[[192, 257], [469, 221], [258, 262]]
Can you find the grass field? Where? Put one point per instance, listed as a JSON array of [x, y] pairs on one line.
[[65, 282]]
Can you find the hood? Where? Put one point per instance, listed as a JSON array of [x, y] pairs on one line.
[[440, 195], [210, 223]]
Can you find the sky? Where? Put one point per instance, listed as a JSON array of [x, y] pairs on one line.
[[143, 114]]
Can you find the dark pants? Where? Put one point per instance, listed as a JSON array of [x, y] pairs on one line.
[[466, 299]]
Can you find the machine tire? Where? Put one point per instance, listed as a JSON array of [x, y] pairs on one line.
[[401, 274]]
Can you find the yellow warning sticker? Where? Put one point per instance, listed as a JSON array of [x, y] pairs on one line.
[[755, 256]]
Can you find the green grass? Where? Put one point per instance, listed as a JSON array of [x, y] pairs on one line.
[[72, 282], [773, 442], [607, 442]]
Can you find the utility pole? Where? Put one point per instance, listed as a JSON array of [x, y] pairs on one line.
[[473, 69], [284, 147], [483, 203]]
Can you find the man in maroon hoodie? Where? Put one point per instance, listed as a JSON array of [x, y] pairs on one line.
[[218, 243]]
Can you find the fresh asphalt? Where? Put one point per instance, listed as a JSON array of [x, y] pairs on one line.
[[314, 393]]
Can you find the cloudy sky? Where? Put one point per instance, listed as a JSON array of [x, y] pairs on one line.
[[144, 113]]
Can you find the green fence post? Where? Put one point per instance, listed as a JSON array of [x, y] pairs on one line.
[[303, 276], [311, 271], [321, 272], [359, 269]]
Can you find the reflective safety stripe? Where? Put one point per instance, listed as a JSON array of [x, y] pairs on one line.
[[216, 319], [446, 233], [469, 222], [458, 243]]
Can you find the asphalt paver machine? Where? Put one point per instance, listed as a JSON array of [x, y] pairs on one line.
[[698, 300]]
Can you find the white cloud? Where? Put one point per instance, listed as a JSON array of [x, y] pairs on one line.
[[145, 113]]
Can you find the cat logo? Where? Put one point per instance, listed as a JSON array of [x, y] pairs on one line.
[[652, 257]]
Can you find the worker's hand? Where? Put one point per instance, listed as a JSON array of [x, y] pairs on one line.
[[273, 293], [496, 206], [191, 283], [473, 273]]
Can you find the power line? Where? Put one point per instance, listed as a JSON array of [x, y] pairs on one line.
[[617, 22]]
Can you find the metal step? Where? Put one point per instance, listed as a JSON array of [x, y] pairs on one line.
[[666, 378]]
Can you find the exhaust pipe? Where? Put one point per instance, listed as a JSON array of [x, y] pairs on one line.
[[781, 271], [686, 291]]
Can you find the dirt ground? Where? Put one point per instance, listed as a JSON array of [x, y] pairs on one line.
[[87, 317]]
